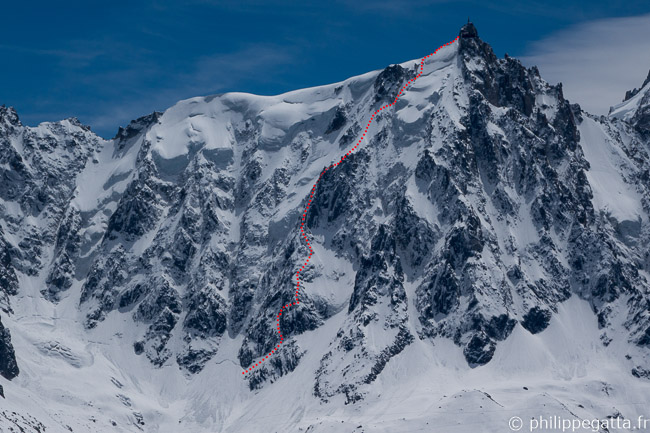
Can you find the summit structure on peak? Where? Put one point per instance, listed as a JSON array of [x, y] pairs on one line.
[[468, 31]]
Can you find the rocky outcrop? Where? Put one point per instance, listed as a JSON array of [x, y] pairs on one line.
[[8, 365]]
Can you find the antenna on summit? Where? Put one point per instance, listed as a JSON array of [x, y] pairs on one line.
[[468, 31]]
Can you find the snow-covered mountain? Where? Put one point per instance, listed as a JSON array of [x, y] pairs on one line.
[[484, 254]]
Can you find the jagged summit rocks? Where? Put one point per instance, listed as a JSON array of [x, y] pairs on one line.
[[635, 108], [468, 31], [631, 93]]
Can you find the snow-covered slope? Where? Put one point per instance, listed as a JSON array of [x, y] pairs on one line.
[[635, 109], [483, 255]]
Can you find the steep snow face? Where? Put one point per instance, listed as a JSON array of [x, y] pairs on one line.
[[608, 165], [487, 236]]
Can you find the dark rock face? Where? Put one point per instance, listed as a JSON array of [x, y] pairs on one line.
[[8, 366], [641, 373], [631, 93], [8, 279], [536, 320], [503, 83], [641, 120], [479, 350], [66, 250], [207, 314], [136, 127], [137, 211], [389, 81], [403, 339], [338, 121], [468, 31], [193, 360]]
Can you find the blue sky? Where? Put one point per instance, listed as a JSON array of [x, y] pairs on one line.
[[109, 62]]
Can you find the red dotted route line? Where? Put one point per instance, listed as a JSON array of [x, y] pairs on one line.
[[311, 197]]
